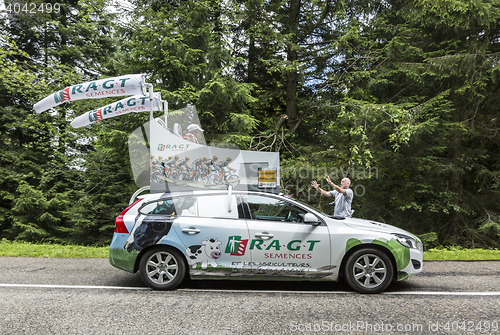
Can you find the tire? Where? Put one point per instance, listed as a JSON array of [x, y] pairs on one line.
[[156, 177], [200, 178], [232, 180], [162, 268], [212, 179], [369, 270]]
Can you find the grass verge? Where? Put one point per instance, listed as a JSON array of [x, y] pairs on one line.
[[23, 249], [460, 254]]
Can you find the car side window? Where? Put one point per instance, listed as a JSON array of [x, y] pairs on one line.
[[163, 207], [271, 209], [217, 206], [187, 206], [184, 206]]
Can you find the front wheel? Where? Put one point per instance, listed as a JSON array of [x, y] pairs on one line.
[[162, 268], [369, 270]]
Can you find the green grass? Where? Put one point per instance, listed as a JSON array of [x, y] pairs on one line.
[[458, 253], [23, 249]]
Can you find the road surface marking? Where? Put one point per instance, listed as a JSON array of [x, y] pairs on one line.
[[441, 293]]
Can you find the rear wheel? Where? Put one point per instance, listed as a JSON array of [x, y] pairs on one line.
[[369, 270], [232, 180], [162, 268]]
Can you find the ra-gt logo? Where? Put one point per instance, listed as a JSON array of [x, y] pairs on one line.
[[173, 147], [62, 96], [236, 246]]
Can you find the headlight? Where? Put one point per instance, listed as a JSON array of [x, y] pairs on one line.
[[408, 241]]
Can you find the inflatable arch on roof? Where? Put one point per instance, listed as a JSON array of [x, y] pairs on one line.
[[162, 158]]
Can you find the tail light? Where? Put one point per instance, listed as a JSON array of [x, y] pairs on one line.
[[119, 224]]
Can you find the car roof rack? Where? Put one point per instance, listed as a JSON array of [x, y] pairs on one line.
[[139, 191]]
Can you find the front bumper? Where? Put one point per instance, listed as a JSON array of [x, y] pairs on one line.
[[414, 267]]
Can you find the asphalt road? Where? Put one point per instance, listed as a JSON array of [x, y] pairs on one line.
[[88, 296]]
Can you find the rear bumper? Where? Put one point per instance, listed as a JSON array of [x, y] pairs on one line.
[[118, 256]]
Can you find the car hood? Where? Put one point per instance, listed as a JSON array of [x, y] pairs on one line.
[[374, 226]]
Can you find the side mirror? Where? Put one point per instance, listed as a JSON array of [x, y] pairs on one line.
[[311, 219]]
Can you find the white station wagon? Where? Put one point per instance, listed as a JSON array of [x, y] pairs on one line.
[[256, 236]]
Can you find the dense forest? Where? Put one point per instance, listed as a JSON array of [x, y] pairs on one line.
[[401, 96]]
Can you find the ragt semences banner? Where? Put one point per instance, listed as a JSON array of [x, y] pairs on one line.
[[132, 84], [135, 104]]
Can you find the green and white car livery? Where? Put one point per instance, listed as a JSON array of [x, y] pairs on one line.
[[211, 234]]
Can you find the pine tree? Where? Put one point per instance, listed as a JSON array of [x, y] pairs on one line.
[[184, 50], [42, 171], [427, 103]]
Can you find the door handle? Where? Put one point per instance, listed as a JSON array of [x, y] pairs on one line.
[[190, 231], [264, 235]]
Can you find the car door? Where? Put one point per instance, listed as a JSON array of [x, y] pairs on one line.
[[281, 244], [214, 234], [152, 224]]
